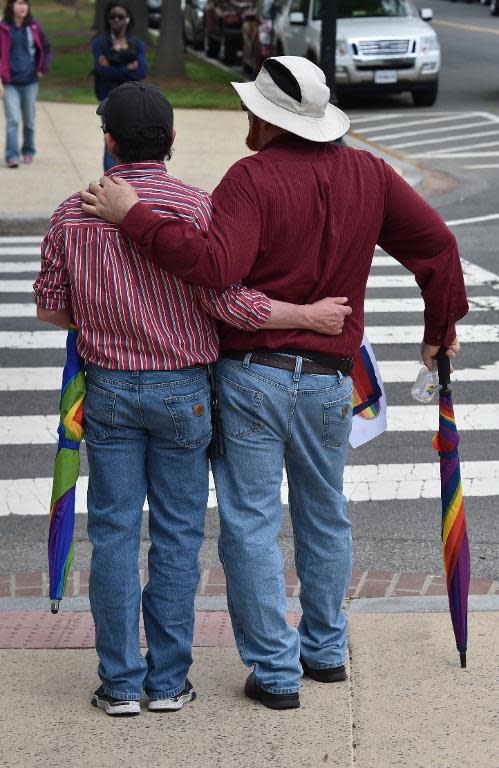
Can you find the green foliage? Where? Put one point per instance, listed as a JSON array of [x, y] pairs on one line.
[[70, 31]]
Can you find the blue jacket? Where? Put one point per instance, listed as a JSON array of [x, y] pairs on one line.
[[108, 77]]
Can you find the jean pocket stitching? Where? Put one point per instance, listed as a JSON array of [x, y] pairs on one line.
[[109, 409], [257, 398], [328, 423]]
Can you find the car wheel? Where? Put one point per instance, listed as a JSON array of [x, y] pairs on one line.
[[211, 46], [494, 8], [427, 96]]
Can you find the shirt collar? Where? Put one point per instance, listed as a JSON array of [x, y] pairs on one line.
[[144, 168]]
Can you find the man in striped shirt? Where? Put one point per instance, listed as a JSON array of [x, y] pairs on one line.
[[146, 338]]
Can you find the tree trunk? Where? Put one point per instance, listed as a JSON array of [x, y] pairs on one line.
[[169, 60], [137, 7]]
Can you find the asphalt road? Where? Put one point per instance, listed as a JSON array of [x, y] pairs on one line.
[[389, 533]]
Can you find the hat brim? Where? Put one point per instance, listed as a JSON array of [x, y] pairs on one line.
[[331, 126]]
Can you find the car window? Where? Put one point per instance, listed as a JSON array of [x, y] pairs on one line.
[[348, 9]]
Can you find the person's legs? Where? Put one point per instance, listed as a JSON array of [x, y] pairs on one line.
[[12, 108], [116, 449], [29, 95], [254, 403], [176, 410], [315, 460]]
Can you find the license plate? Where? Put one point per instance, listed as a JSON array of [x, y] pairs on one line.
[[383, 76]]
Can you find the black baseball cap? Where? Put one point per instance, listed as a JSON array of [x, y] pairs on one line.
[[133, 111]]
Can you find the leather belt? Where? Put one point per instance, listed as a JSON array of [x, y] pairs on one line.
[[287, 361]]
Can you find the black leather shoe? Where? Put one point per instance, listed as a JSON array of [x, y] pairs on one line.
[[271, 700], [327, 675]]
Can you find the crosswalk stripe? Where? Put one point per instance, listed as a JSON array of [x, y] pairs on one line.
[[423, 121], [16, 286], [473, 274], [378, 334], [476, 304], [42, 429], [442, 139], [371, 482], [398, 371], [19, 266], [407, 280], [392, 372], [18, 310], [21, 240]]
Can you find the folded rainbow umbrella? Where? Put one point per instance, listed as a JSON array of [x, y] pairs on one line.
[[66, 470], [456, 551]]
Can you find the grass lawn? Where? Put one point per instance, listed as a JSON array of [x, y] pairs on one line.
[[70, 33]]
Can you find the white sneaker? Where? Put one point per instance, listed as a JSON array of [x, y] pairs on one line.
[[176, 702], [112, 706]]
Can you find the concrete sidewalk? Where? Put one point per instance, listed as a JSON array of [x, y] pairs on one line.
[[407, 704], [69, 155]]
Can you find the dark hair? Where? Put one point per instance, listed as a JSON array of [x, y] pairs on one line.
[[152, 144], [107, 12], [8, 13]]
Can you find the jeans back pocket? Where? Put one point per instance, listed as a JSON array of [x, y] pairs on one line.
[[98, 410], [238, 406], [192, 418], [337, 421]]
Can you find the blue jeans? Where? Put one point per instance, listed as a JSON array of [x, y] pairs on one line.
[[146, 433], [20, 100], [273, 417]]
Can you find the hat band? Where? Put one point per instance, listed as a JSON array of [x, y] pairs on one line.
[[288, 109]]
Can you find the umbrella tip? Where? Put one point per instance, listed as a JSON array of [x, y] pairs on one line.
[[54, 606], [462, 656]]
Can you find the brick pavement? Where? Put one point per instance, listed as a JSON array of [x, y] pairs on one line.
[[212, 583]]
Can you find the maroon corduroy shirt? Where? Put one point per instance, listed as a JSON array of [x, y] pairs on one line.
[[299, 221]]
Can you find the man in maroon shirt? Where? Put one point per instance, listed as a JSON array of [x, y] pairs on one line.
[[299, 221]]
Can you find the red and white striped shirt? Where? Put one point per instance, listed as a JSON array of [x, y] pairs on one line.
[[130, 314]]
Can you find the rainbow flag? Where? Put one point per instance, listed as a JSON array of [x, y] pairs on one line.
[[66, 470], [369, 400]]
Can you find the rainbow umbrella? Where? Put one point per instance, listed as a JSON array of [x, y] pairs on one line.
[[66, 470], [456, 551]]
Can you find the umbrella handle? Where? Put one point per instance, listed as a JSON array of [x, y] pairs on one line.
[[443, 363]]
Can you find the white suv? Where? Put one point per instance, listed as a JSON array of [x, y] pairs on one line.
[[380, 45]]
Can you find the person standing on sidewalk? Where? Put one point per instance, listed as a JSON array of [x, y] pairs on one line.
[[119, 57], [25, 55], [147, 339], [299, 220]]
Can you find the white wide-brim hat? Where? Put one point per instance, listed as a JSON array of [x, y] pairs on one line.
[[291, 92]]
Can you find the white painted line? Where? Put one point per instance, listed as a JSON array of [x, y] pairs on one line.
[[354, 121], [21, 240], [454, 155], [18, 310], [471, 271], [16, 286], [406, 334], [19, 250], [20, 266], [477, 304], [483, 166], [33, 339], [424, 121], [412, 334], [418, 418], [42, 430], [30, 379], [397, 371], [421, 132], [442, 139], [407, 280], [473, 220], [464, 148], [372, 482]]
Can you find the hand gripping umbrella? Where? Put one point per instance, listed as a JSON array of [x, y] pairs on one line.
[[67, 467], [456, 552]]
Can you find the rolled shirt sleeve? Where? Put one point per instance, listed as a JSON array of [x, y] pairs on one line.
[[51, 287], [415, 235]]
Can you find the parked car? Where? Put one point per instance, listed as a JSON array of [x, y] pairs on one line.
[[153, 13], [193, 20], [494, 8], [223, 21], [381, 45], [258, 35]]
